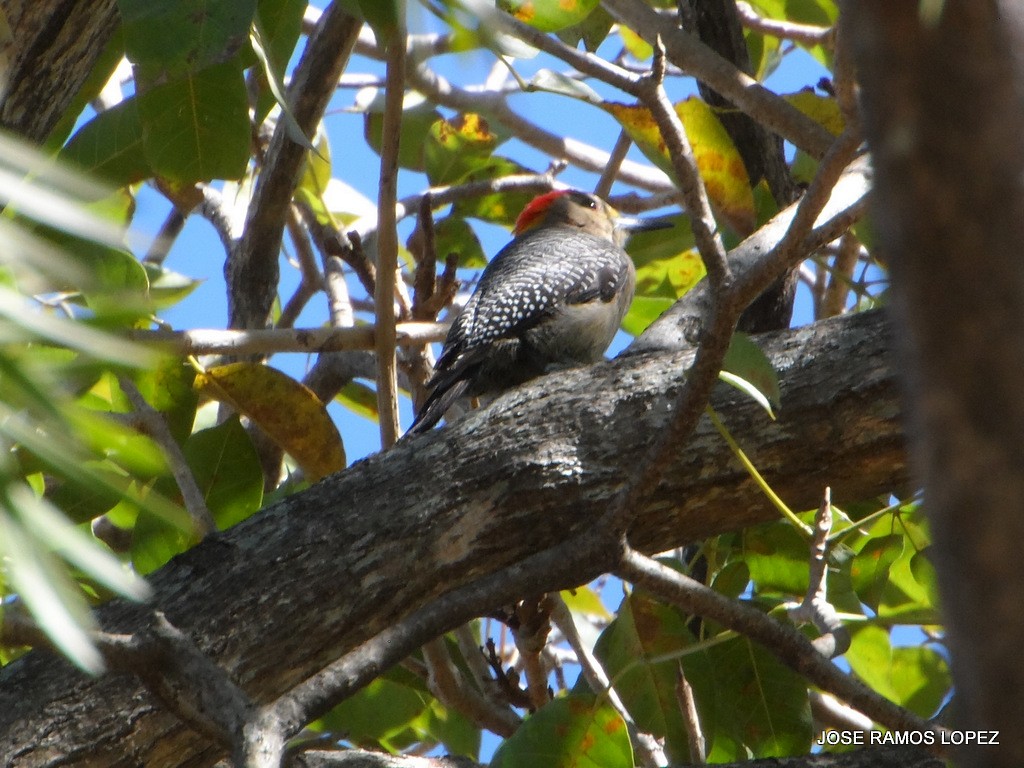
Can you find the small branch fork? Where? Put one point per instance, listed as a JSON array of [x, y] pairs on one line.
[[815, 608]]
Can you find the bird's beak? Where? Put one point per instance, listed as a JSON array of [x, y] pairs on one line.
[[627, 225]]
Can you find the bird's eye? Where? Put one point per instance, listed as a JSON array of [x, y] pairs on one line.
[[591, 203]]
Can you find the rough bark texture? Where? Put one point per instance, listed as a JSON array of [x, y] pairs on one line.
[[944, 113], [279, 596], [52, 50]]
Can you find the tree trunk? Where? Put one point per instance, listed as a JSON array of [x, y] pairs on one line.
[[944, 114], [52, 51]]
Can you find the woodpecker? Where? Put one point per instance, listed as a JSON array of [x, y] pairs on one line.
[[552, 298]]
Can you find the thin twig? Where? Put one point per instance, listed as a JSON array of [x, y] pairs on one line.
[[156, 427], [841, 276], [387, 235], [619, 152], [165, 238], [582, 155], [700, 61], [815, 608], [805, 34], [560, 565], [795, 244], [252, 268], [425, 278], [695, 195], [311, 282], [691, 719], [446, 682], [339, 303], [530, 633]]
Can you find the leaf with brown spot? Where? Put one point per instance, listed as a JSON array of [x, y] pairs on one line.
[[291, 415], [720, 165], [549, 15]]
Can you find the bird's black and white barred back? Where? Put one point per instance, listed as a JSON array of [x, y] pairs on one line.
[[553, 297]]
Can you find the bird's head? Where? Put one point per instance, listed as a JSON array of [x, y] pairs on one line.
[[583, 211]]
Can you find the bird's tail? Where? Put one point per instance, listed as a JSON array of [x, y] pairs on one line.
[[437, 403]]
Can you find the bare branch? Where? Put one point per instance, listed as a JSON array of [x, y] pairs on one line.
[[815, 608], [387, 237], [252, 269], [805, 34], [447, 684], [272, 340], [156, 427]]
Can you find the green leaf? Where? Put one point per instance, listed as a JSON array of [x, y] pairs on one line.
[[380, 710], [629, 648], [154, 542], [755, 706], [549, 15], [915, 677], [381, 15], [227, 470], [575, 731], [169, 40], [551, 81], [746, 361], [643, 311], [110, 146], [776, 555], [276, 85], [196, 128], [289, 412], [719, 162], [418, 116], [167, 287], [870, 568], [500, 207], [80, 502], [53, 602], [454, 235], [47, 525], [592, 30], [280, 23], [459, 735], [360, 399], [454, 148]]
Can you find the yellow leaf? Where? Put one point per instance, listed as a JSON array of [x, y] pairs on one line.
[[720, 165], [291, 415], [821, 109]]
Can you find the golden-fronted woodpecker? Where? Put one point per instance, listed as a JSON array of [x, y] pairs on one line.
[[551, 298]]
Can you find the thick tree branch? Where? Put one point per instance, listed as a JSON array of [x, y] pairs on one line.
[[312, 577]]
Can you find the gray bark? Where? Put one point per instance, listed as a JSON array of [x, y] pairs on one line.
[[51, 53], [276, 598]]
